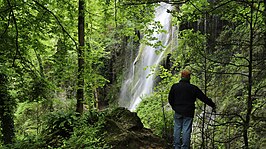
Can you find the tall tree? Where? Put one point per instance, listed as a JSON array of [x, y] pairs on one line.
[[250, 78], [81, 34]]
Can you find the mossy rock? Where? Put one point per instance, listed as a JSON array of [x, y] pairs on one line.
[[125, 119], [125, 130]]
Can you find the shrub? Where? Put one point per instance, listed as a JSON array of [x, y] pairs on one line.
[[151, 114]]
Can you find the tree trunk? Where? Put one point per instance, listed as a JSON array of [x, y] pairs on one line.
[[80, 90], [264, 18], [6, 115], [250, 81], [203, 143]]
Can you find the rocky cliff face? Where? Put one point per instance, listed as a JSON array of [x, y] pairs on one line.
[[125, 131]]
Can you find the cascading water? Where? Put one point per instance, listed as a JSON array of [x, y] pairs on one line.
[[140, 80]]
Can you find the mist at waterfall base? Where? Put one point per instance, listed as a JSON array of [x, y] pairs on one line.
[[140, 80]]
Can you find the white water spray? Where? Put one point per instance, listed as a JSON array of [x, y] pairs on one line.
[[141, 79]]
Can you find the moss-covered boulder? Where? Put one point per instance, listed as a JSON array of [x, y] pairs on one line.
[[124, 129]]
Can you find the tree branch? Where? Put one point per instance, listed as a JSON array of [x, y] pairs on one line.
[[256, 18], [228, 73], [225, 3], [242, 42], [227, 63], [242, 57], [250, 5], [219, 62], [258, 89], [228, 115], [258, 63], [229, 140], [196, 7], [253, 112], [16, 26], [225, 123], [60, 24]]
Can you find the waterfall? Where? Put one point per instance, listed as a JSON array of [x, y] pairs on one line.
[[140, 80]]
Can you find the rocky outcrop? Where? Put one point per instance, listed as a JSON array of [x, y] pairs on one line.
[[125, 131]]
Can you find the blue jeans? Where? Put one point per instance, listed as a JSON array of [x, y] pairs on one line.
[[182, 125]]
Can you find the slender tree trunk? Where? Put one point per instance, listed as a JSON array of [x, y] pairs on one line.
[[203, 143], [97, 101], [250, 81], [115, 15], [264, 18], [80, 90]]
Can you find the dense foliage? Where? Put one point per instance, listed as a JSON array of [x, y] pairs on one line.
[[39, 64], [224, 43]]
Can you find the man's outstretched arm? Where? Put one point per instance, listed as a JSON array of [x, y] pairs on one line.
[[201, 96]]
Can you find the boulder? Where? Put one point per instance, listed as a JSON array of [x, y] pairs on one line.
[[124, 129]]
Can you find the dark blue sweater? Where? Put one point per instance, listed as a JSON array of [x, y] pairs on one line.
[[182, 97]]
